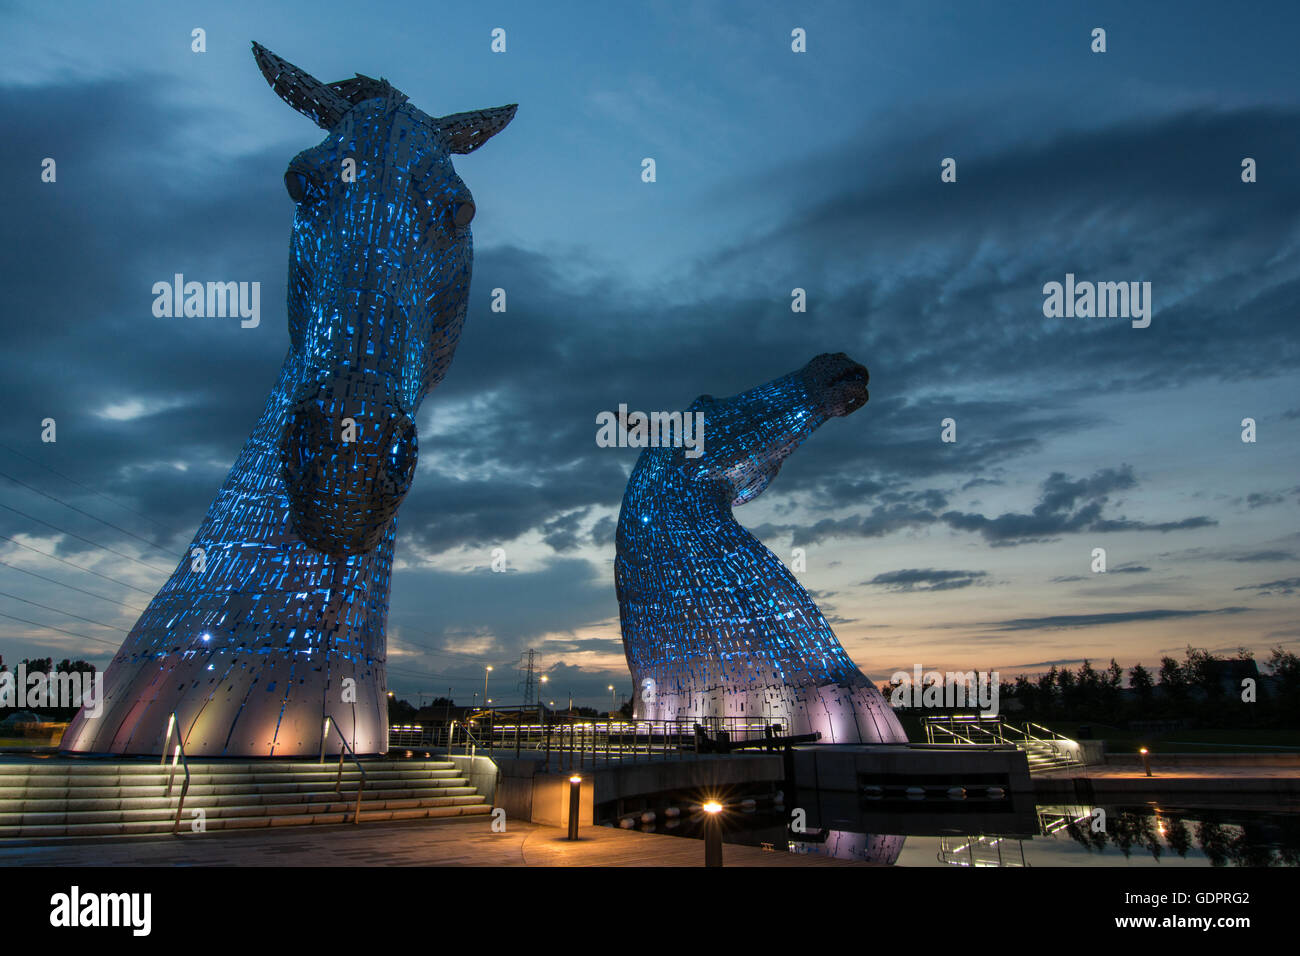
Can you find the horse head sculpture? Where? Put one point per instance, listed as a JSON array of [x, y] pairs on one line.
[[274, 620], [379, 271], [714, 624]]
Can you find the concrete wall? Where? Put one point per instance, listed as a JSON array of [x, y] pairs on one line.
[[528, 792], [482, 774], [821, 768], [551, 797]]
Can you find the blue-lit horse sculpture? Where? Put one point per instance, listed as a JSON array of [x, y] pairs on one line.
[[714, 625], [275, 618]]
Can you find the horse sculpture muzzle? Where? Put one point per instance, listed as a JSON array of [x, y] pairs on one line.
[[348, 457]]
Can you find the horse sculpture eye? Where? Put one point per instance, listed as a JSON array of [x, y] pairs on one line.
[[299, 185]]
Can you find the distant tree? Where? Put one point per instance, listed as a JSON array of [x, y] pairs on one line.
[[400, 711], [1173, 680], [887, 689], [1087, 693], [1026, 691], [1047, 693], [1284, 666], [1068, 693], [1139, 678], [1201, 672], [1112, 680]]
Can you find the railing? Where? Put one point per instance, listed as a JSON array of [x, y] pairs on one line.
[[338, 780], [185, 764], [576, 740], [978, 729]]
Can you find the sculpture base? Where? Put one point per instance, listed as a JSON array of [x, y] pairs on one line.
[[847, 713]]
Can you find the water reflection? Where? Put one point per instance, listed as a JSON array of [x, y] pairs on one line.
[[1224, 837], [1056, 835]]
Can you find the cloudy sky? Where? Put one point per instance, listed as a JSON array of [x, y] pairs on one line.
[[775, 170]]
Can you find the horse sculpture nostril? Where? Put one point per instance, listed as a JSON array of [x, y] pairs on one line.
[[463, 213]]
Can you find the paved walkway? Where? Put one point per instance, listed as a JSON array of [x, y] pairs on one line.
[[418, 843]]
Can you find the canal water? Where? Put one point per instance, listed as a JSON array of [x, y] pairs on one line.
[[1029, 835]]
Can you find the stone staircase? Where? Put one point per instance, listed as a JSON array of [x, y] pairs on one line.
[[61, 797], [1043, 757]]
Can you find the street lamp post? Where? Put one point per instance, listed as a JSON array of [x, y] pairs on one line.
[[612, 708], [487, 670], [712, 834], [575, 803]]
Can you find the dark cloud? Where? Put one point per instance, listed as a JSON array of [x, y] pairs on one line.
[[561, 532], [1267, 556], [1096, 620], [1067, 506], [1261, 499], [1282, 586], [926, 579]]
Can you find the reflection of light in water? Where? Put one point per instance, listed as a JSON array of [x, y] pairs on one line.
[[981, 851]]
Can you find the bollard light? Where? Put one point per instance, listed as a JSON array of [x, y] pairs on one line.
[[1146, 761], [712, 833], [575, 801]]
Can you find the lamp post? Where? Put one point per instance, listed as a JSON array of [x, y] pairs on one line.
[[612, 708], [575, 801], [487, 670], [712, 833], [1146, 760]]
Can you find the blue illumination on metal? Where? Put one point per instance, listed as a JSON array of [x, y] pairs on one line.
[[714, 624], [275, 617]]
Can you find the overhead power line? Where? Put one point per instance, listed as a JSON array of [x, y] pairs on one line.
[[55, 557], [72, 507], [95, 544], [51, 627], [73, 587], [84, 487], [56, 610]]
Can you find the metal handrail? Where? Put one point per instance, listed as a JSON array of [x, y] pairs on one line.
[[171, 776], [471, 739], [338, 780], [1007, 733]]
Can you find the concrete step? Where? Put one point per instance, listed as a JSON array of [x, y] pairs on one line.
[[198, 797], [320, 804], [77, 777], [339, 814], [68, 799]]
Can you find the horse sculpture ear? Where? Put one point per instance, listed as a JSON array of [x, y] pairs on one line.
[[308, 95], [466, 132]]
